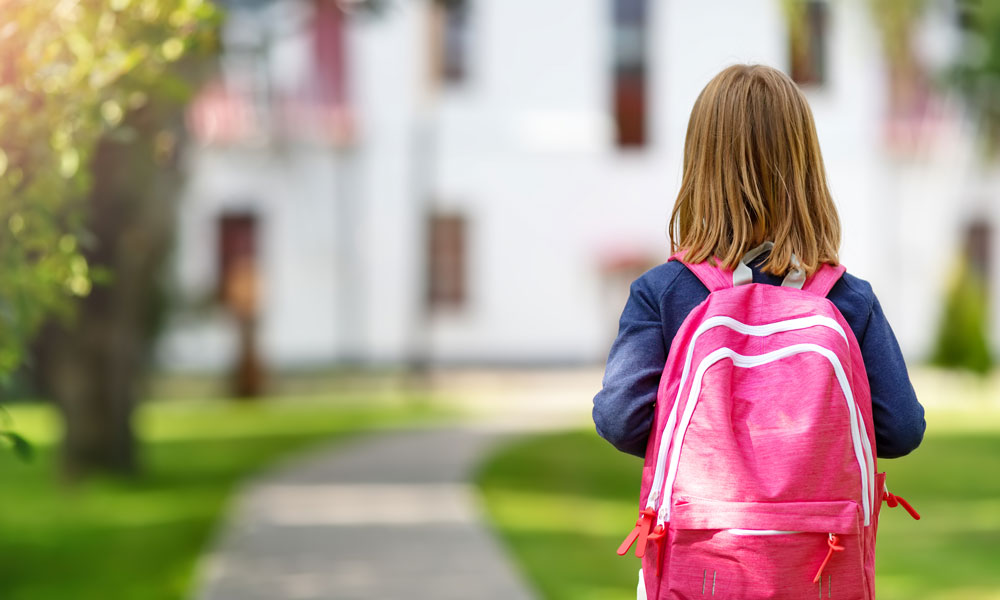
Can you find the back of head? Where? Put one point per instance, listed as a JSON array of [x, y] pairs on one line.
[[753, 171]]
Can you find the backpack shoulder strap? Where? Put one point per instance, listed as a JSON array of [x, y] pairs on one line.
[[719, 278], [823, 280], [714, 278]]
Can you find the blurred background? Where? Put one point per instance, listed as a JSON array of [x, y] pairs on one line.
[[409, 185], [232, 230]]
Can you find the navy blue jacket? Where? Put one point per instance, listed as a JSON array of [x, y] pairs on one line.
[[661, 298]]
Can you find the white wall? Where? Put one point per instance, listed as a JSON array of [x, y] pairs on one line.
[[524, 148], [290, 195]]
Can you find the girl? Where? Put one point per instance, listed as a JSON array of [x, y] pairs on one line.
[[753, 173]]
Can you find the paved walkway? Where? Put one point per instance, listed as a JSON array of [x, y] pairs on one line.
[[389, 516]]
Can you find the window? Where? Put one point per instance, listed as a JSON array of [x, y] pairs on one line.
[[329, 48], [629, 48], [237, 255], [450, 40], [807, 37], [446, 259]]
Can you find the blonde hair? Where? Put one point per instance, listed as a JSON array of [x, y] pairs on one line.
[[753, 172]]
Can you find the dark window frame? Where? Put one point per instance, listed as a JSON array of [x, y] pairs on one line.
[[238, 241], [451, 41], [630, 62]]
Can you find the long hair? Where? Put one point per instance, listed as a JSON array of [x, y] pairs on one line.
[[753, 172]]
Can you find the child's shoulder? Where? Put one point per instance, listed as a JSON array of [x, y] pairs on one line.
[[663, 273], [662, 277], [668, 284], [851, 288]]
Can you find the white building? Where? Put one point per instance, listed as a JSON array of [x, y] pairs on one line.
[[478, 181]]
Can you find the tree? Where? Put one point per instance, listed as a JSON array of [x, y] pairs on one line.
[[961, 338], [976, 74], [74, 76]]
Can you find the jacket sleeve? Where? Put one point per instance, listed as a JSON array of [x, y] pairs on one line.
[[898, 416], [623, 409]]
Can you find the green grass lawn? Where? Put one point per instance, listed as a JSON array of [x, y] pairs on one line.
[[564, 502], [108, 539]]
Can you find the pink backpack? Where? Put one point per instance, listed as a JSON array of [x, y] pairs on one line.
[[760, 478]]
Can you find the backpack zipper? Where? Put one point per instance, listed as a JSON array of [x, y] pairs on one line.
[[893, 501], [752, 532]]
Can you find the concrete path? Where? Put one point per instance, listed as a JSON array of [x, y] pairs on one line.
[[389, 516]]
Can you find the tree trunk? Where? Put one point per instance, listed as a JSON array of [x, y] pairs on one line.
[[91, 370], [93, 365]]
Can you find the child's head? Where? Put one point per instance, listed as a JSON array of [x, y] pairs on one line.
[[753, 172]]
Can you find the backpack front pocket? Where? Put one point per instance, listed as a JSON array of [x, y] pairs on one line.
[[746, 551]]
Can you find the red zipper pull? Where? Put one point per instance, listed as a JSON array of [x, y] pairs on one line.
[[832, 542], [639, 533], [657, 537], [893, 500]]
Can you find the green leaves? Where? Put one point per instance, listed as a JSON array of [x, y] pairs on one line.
[[70, 72], [22, 449]]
